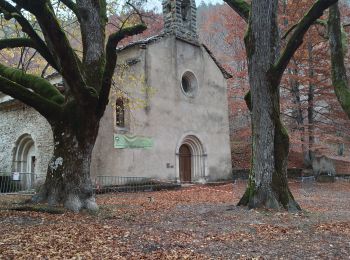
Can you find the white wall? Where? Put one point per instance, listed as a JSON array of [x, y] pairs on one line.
[[171, 114], [170, 117]]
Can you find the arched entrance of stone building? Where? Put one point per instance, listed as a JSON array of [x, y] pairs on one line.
[[185, 163], [24, 158], [191, 159]]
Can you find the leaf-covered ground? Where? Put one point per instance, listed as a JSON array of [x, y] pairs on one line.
[[198, 222]]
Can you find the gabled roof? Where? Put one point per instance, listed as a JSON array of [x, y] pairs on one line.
[[141, 42], [155, 38], [224, 72]]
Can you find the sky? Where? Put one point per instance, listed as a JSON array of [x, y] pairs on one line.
[[209, 2]]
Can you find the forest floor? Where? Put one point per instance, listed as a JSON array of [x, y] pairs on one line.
[[198, 222]]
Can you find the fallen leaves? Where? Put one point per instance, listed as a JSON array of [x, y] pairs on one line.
[[198, 222]]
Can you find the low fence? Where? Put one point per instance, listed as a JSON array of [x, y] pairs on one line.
[[19, 182], [292, 173], [106, 184], [27, 183]]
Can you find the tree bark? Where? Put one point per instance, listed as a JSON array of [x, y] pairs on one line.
[[74, 117], [339, 78], [68, 179], [268, 185]]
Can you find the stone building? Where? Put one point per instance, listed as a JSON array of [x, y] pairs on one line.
[[180, 132]]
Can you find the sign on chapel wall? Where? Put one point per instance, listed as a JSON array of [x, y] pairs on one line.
[[132, 141]]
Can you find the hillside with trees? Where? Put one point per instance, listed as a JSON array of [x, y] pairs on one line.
[[310, 109]]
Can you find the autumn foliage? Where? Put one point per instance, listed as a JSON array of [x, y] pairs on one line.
[[315, 121]]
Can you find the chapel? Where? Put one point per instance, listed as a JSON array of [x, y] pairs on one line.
[[167, 118]]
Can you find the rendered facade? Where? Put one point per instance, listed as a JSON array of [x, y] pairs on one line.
[[167, 118]]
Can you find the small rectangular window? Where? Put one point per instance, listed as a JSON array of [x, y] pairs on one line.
[[120, 112]]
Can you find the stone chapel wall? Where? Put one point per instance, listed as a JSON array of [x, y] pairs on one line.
[[16, 120]]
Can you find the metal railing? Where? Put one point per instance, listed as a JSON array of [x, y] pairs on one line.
[[343, 178], [19, 182], [27, 183], [106, 184]]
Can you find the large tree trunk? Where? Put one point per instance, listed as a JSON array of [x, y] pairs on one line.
[[68, 179], [268, 185], [74, 117], [339, 77]]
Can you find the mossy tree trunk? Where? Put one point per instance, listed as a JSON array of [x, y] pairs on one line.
[[74, 117], [268, 184], [339, 77], [68, 175]]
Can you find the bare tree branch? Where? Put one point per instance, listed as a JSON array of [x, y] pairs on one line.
[[111, 54], [12, 12], [296, 39], [136, 10], [28, 62], [241, 7], [58, 40], [25, 42], [289, 31], [73, 7]]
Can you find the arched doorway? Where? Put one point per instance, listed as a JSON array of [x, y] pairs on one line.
[[191, 159], [185, 164], [24, 158], [31, 159]]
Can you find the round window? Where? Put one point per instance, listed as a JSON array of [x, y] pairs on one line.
[[189, 84]]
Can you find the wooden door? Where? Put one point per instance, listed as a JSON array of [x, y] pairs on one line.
[[185, 163]]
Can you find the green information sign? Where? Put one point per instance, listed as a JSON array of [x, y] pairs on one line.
[[132, 141]]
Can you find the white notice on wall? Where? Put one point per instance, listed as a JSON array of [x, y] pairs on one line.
[[15, 176]]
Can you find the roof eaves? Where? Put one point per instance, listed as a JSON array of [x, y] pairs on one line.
[[155, 38], [226, 74], [146, 41]]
